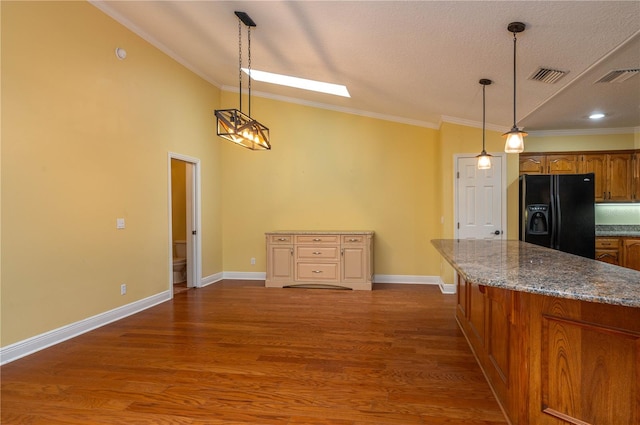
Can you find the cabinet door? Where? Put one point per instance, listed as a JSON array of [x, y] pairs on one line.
[[631, 253], [596, 163], [280, 263], [562, 164], [619, 174], [354, 264], [636, 177], [532, 164], [608, 256]]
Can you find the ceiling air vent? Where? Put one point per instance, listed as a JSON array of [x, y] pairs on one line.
[[618, 75], [547, 75]]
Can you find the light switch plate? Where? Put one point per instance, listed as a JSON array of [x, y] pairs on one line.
[[119, 223]]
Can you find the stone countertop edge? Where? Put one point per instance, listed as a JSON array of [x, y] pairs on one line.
[[618, 230], [321, 232], [524, 267]]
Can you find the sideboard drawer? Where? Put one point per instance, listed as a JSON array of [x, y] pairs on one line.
[[314, 239], [353, 239], [318, 272], [317, 252], [281, 239]]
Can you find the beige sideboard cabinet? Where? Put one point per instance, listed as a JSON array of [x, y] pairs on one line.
[[320, 259]]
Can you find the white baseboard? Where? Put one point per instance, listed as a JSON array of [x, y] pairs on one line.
[[405, 278], [40, 342], [244, 275], [205, 281]]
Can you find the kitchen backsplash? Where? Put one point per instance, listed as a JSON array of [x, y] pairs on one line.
[[628, 214]]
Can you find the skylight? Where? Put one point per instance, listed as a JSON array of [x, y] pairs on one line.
[[299, 83]]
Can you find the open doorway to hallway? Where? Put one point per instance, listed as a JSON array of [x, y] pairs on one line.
[[184, 223]]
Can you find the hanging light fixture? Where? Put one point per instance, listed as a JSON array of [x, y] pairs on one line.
[[484, 159], [515, 137], [233, 124]]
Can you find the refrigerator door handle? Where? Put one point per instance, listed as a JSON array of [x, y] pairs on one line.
[[557, 213], [552, 212]]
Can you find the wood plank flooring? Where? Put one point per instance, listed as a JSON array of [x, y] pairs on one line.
[[238, 353]]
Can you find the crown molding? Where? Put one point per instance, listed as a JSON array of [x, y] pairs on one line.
[[472, 123], [584, 132]]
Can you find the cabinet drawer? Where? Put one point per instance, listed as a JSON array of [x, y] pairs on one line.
[[317, 252], [607, 243], [353, 239], [281, 239], [317, 272], [314, 239]]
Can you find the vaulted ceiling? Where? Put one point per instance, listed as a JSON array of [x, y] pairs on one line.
[[415, 61]]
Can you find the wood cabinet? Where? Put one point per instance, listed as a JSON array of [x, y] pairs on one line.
[[554, 361], [635, 187], [596, 163], [549, 163], [342, 259], [613, 172], [631, 253], [279, 257], [617, 173], [608, 250]]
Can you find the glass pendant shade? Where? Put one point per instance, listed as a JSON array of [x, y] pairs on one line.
[[515, 141], [240, 128], [484, 161]]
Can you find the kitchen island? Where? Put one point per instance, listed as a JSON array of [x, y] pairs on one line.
[[557, 335]]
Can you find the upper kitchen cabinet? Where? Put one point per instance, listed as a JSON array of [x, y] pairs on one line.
[[614, 175], [541, 163], [617, 173]]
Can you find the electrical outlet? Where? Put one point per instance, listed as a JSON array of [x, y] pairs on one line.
[[123, 289], [253, 261]]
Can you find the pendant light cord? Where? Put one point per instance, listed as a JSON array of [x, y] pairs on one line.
[[483, 117], [249, 58], [240, 60], [514, 79]]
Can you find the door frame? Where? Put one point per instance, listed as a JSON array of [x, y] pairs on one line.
[[503, 214], [194, 242]]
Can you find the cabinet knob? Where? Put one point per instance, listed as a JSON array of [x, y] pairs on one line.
[[282, 239], [317, 239], [316, 253], [316, 271]]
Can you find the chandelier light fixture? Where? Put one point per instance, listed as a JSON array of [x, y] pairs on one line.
[[484, 159], [515, 137], [233, 124]]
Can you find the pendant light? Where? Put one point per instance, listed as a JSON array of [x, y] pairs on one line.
[[515, 137], [484, 159], [233, 124]]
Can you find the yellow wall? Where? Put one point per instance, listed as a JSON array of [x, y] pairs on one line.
[[85, 139], [329, 170], [178, 199], [596, 142]]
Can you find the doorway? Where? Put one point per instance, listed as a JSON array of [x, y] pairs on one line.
[[480, 198], [184, 222]]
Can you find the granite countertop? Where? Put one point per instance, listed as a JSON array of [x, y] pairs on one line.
[[628, 230], [521, 266], [321, 232]]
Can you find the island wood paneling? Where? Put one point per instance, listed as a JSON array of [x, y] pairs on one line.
[[553, 361]]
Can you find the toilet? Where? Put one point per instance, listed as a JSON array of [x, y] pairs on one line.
[[179, 261]]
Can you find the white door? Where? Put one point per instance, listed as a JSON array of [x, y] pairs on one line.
[[480, 199]]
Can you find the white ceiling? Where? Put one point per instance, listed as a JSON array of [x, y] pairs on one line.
[[415, 61]]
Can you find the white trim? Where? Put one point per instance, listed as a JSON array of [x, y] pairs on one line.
[[319, 105], [213, 278], [447, 288], [471, 123], [244, 275], [40, 342], [406, 279]]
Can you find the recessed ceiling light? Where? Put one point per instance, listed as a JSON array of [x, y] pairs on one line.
[[596, 116], [299, 83]]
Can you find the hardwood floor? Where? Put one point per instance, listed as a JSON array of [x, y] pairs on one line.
[[238, 353]]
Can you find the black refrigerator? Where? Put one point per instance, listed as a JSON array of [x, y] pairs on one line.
[[557, 211]]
